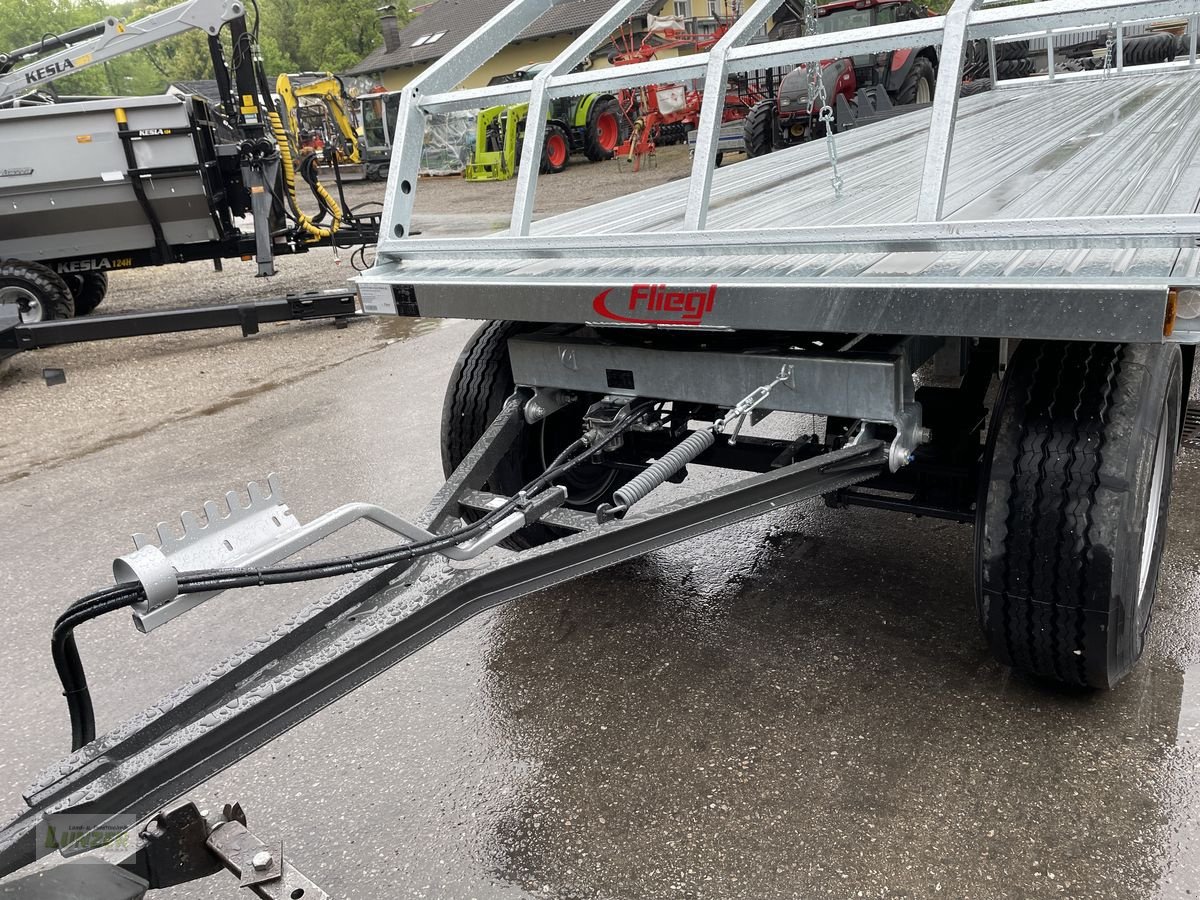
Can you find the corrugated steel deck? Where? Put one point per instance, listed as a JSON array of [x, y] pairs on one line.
[[1123, 145]]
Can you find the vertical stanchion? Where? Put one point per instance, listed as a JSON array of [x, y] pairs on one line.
[[500, 30], [708, 134], [945, 111], [539, 103]]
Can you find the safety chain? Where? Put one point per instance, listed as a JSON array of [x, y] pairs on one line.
[[816, 89], [1108, 52]]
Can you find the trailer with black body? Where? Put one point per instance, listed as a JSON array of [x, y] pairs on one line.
[[92, 186], [976, 339]]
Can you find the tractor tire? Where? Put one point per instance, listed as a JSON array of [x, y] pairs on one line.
[[975, 61], [603, 132], [1147, 49], [88, 290], [919, 83], [1073, 506], [758, 129], [1014, 68], [556, 151], [38, 291], [480, 383], [978, 86], [1012, 50]]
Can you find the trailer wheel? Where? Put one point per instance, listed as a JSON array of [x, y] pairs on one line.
[[1073, 510], [88, 290], [39, 293], [603, 133], [918, 83], [556, 152], [758, 129], [480, 383]]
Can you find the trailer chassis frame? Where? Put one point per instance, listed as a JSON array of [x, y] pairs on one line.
[[17, 336], [375, 619]]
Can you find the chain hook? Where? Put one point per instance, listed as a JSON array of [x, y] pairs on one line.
[[817, 92]]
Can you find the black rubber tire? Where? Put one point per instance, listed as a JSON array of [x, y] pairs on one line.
[[978, 86], [554, 131], [758, 129], [975, 61], [671, 134], [922, 69], [1014, 68], [1064, 502], [593, 149], [1147, 49], [1012, 50], [88, 290], [44, 283], [480, 383]]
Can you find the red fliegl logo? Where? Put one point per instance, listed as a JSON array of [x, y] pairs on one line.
[[656, 304]]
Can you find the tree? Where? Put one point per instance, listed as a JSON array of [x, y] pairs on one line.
[[293, 36]]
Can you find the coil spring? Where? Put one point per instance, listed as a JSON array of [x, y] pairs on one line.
[[664, 468]]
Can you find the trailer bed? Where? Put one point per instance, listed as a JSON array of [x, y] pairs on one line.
[[1091, 146]]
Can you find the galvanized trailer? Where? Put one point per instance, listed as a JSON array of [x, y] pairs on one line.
[[993, 313]]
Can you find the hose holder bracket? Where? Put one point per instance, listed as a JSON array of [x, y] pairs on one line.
[[266, 532], [236, 535]]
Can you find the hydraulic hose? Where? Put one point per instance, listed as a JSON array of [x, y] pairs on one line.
[[65, 654], [305, 222]]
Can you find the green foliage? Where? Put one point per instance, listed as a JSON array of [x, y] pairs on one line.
[[295, 36]]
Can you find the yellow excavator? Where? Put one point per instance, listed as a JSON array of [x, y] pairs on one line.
[[323, 127]]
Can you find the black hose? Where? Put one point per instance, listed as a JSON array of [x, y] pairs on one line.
[[65, 653], [68, 663]]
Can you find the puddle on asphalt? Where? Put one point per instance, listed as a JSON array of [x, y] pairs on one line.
[[1181, 840], [401, 328], [1188, 732]]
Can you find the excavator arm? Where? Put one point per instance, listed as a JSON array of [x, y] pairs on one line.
[[332, 92], [94, 44]]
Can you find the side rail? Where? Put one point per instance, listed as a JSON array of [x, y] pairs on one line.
[[967, 20], [1054, 38]]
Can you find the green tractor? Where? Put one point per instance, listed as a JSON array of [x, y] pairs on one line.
[[591, 126]]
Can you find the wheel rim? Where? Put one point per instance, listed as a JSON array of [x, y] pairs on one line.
[[1153, 515], [924, 91], [29, 305], [607, 131], [556, 149]]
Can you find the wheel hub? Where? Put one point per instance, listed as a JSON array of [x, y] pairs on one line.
[[29, 305], [607, 131]]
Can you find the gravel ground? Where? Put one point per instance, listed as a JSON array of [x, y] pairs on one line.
[[120, 389]]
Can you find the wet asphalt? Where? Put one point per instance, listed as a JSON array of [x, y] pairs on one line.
[[800, 706]]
